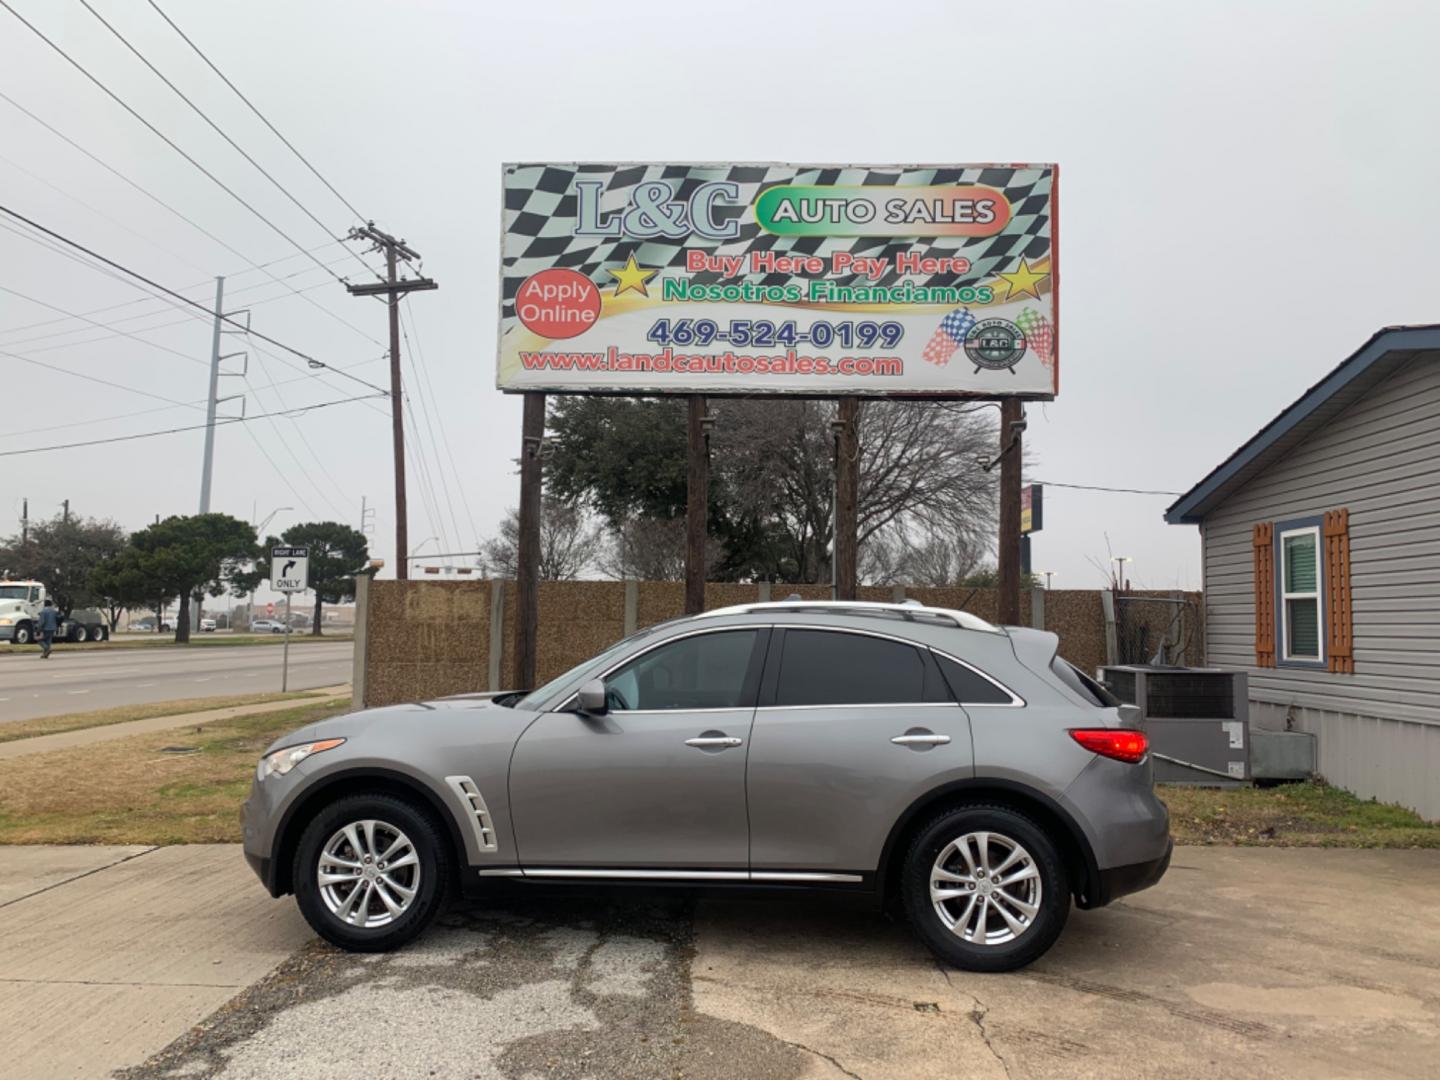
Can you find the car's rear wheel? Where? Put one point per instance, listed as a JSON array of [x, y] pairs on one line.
[[371, 872], [985, 889]]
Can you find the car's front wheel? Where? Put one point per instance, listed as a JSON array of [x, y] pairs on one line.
[[985, 889], [371, 872]]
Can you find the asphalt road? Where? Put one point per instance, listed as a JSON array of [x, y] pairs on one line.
[[101, 679]]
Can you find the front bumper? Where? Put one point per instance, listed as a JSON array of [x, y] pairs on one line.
[[1121, 881]]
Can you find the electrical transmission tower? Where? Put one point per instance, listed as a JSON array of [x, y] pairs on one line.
[[393, 288]]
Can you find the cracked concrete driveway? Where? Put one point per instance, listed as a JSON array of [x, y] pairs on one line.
[[1242, 963]]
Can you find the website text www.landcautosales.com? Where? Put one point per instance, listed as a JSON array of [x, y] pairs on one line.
[[724, 363]]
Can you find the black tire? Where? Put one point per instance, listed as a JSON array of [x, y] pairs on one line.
[[99, 633], [23, 635], [1040, 931], [427, 837], [77, 634]]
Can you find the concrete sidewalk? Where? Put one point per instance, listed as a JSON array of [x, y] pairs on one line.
[[109, 953], [66, 740]]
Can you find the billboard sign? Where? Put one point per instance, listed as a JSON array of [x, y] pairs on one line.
[[903, 280], [1032, 508]]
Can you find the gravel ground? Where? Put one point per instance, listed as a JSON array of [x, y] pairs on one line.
[[565, 990]]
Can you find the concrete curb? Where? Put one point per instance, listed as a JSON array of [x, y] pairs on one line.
[[67, 740]]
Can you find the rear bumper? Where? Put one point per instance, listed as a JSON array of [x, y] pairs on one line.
[[1121, 881]]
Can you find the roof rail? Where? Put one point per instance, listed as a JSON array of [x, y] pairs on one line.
[[909, 610]]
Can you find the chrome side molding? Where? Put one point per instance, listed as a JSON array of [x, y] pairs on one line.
[[764, 876]]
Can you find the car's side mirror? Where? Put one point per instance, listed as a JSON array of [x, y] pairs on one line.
[[591, 697]]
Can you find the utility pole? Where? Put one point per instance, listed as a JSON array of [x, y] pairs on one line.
[[24, 522], [208, 464], [845, 544], [393, 289], [65, 515], [697, 504], [366, 513], [1012, 423], [527, 556]]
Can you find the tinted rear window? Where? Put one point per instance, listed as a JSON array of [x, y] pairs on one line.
[[822, 667], [969, 687], [1083, 685]]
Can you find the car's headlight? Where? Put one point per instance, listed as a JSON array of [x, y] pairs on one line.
[[282, 761]]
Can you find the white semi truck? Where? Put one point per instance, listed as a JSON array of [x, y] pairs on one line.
[[20, 604]]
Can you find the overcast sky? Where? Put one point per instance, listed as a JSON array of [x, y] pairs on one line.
[[1247, 195]]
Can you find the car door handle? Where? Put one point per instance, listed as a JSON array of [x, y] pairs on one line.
[[917, 739], [704, 741]]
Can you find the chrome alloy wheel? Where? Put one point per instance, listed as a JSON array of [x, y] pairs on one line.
[[368, 873], [986, 888]]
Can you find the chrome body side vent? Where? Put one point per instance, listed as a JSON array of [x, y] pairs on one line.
[[479, 815]]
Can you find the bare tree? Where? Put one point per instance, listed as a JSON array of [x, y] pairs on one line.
[[647, 549], [920, 478], [568, 543], [906, 556]]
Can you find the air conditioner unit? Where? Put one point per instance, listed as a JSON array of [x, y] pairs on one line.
[[1197, 720]]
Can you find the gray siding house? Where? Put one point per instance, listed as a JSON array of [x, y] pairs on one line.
[[1321, 564]]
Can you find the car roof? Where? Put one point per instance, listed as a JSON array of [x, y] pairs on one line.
[[906, 611]]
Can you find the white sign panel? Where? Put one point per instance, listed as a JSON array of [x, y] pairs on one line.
[[290, 569], [815, 280]]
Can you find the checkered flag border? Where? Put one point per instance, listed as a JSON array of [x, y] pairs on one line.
[[540, 206]]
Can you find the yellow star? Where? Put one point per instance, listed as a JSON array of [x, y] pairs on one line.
[[1020, 281], [630, 276]]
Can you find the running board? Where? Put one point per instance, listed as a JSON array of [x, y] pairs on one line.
[[761, 876]]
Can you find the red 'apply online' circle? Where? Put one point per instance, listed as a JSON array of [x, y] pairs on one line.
[[558, 303]]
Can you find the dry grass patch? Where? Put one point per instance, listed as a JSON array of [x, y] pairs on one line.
[[123, 714], [135, 793], [1307, 814]]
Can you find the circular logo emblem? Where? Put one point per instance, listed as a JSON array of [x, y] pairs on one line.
[[558, 303], [995, 344]]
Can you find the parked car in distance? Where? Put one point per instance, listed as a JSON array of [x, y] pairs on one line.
[[962, 770], [207, 625], [148, 626], [267, 626]]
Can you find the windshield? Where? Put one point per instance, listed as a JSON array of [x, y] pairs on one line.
[[14, 592], [535, 698]]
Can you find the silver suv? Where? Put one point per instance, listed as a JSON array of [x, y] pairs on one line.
[[960, 769]]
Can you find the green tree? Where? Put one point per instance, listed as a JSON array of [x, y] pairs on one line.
[[184, 557], [336, 553], [61, 554], [123, 583]]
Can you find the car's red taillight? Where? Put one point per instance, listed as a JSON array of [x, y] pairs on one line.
[[1122, 744]]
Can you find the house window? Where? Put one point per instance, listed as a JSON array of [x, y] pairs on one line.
[[1300, 622]]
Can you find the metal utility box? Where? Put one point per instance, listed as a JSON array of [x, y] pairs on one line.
[[1197, 720]]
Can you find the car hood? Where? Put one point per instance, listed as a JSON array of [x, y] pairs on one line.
[[464, 709]]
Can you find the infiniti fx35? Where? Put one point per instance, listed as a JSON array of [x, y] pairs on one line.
[[959, 770]]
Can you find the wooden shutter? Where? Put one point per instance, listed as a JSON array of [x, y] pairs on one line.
[[1336, 532], [1264, 540]]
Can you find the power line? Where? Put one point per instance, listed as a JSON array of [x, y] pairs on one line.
[[123, 333], [210, 64], [188, 220], [156, 131], [299, 410], [429, 404], [94, 379], [197, 305], [1115, 490], [111, 328], [140, 412], [221, 132]]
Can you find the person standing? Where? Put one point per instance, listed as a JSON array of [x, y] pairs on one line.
[[49, 620]]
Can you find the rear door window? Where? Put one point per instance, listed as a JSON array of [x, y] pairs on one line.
[[830, 667]]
